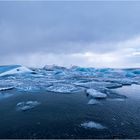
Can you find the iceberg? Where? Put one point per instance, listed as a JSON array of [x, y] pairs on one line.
[[96, 94], [23, 106], [91, 124], [13, 69]]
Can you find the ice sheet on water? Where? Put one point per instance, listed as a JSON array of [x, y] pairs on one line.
[[98, 84], [91, 124], [23, 106], [64, 88]]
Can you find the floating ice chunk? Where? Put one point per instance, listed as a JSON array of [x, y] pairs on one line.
[[92, 124], [23, 106], [93, 102], [6, 88], [96, 94], [15, 70]]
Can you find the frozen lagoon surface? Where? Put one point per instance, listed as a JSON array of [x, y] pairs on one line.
[[53, 102]]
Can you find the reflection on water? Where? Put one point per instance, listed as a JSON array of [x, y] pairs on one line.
[[63, 115], [132, 91]]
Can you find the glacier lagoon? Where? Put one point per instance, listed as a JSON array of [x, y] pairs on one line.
[[54, 102]]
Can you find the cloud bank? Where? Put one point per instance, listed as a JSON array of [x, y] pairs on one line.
[[94, 34]]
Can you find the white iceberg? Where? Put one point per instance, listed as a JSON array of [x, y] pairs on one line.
[[96, 94], [23, 106], [92, 124], [10, 70]]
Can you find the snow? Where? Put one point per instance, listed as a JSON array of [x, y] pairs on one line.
[[91, 124], [96, 94], [23, 106]]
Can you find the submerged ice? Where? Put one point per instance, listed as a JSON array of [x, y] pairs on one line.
[[23, 106], [91, 124]]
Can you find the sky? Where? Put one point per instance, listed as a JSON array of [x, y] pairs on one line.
[[83, 33]]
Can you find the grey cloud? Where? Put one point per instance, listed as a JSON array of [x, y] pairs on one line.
[[66, 27]]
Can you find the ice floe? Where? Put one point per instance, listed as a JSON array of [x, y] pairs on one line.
[[98, 83], [96, 94], [23, 106], [91, 124]]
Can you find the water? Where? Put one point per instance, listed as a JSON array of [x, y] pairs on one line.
[[61, 115]]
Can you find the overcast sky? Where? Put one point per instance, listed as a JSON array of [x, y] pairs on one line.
[[94, 34]]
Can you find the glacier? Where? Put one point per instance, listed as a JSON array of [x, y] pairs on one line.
[[97, 82]]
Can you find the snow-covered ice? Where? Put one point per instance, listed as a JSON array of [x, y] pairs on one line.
[[91, 124]]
